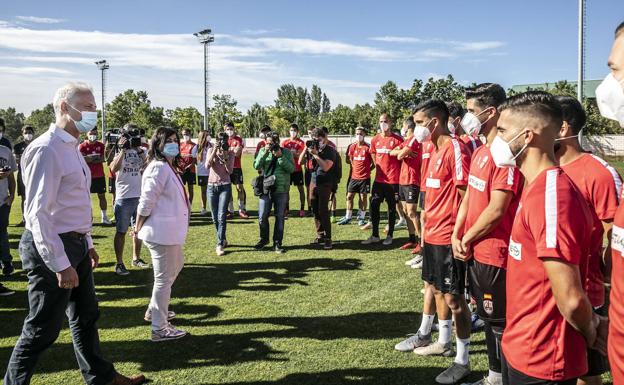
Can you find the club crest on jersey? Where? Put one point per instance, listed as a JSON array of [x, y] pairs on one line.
[[488, 304], [515, 250]]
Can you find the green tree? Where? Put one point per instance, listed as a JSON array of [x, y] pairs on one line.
[[278, 121], [188, 117], [41, 118], [222, 111], [341, 120], [134, 106], [389, 100], [366, 116], [13, 121], [446, 89], [255, 118]]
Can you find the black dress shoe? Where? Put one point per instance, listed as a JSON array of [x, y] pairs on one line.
[[260, 245]]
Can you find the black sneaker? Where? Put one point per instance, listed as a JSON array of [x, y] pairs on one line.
[[7, 268], [328, 244], [120, 269], [317, 241], [5, 292], [278, 248], [260, 245]]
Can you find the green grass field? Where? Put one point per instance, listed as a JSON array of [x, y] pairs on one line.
[[308, 316]]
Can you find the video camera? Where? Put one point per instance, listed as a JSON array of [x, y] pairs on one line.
[[133, 137], [222, 141]]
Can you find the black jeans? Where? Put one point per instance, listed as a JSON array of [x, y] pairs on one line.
[[320, 207], [383, 192], [48, 303], [5, 252]]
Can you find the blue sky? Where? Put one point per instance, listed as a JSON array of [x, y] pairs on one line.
[[349, 48]]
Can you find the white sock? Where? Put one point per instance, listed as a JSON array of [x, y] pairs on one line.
[[445, 327], [241, 205], [104, 214], [425, 324], [462, 351], [495, 378], [349, 214]]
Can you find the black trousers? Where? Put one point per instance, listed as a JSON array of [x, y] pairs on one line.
[[320, 207], [383, 192], [48, 304], [513, 377]]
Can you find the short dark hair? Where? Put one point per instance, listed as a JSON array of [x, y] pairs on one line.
[[130, 126], [410, 123], [325, 129], [434, 108], [31, 128], [456, 110], [487, 94], [319, 132], [360, 128], [91, 130], [540, 104], [157, 144], [573, 113], [2, 123], [187, 129], [265, 128], [619, 29], [294, 126], [229, 125]]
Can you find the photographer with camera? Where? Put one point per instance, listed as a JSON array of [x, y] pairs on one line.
[[93, 152], [323, 158], [127, 165], [220, 162], [276, 164]]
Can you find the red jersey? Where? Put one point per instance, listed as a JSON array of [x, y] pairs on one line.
[[361, 160], [410, 166], [427, 148], [484, 178], [471, 143], [95, 148], [601, 187], [236, 141], [187, 156], [388, 167], [616, 307], [448, 170], [296, 146], [260, 144], [553, 221]]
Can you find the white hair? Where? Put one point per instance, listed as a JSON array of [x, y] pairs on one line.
[[67, 93]]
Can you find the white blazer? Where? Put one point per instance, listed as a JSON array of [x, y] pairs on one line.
[[165, 204]]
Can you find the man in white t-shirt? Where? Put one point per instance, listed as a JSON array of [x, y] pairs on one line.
[[127, 165]]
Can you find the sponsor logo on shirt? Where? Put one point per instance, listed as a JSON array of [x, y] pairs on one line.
[[515, 250], [617, 239], [426, 155], [432, 183], [476, 183]]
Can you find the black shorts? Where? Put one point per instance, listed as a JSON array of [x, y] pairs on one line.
[[360, 186], [98, 185], [487, 285], [202, 180], [421, 201], [385, 192], [296, 178], [188, 178], [21, 189], [308, 177], [236, 177], [597, 364], [409, 193], [515, 377], [111, 185], [441, 270]]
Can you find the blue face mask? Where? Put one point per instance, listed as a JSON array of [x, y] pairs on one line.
[[171, 150], [88, 121]]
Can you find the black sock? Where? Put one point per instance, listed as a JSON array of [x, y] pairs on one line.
[[412, 238]]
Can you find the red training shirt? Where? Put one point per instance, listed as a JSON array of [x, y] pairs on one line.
[[95, 148], [236, 141], [448, 170], [471, 142], [388, 167], [427, 148], [186, 156], [616, 307], [553, 221], [296, 146], [410, 166], [361, 160], [601, 187], [484, 178]]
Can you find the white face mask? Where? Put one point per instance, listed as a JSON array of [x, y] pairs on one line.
[[384, 126], [28, 137], [471, 124], [186, 137], [293, 134], [422, 133], [91, 138], [404, 131], [501, 152], [610, 98], [262, 135], [360, 138], [230, 132], [451, 128]]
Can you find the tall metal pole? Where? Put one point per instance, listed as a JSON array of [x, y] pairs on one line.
[[206, 86], [103, 102], [581, 50]]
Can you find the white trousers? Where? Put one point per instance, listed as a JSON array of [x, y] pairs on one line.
[[167, 262]]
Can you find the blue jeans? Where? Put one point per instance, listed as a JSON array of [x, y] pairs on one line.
[[279, 202], [219, 196]]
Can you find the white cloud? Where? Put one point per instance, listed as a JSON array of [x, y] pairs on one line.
[[465, 46], [256, 32], [398, 39], [478, 45], [40, 20], [33, 70]]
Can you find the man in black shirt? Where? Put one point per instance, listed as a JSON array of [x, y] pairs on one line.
[[28, 133], [3, 140], [323, 179]]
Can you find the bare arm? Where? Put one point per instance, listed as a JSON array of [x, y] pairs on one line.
[[117, 161], [490, 217], [606, 256], [458, 251]]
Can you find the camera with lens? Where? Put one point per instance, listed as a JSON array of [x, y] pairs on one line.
[[312, 143], [222, 141], [275, 144], [133, 138]]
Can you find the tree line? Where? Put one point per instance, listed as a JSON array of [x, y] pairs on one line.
[[293, 104]]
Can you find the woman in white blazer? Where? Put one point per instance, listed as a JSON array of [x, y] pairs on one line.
[[162, 224]]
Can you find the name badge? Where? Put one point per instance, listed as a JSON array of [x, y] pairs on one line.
[[476, 183], [617, 239], [432, 183], [426, 155], [515, 250]]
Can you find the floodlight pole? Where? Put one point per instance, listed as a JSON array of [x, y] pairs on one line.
[[581, 50], [206, 37], [103, 66]]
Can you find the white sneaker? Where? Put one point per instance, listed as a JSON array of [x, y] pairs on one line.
[[219, 250], [401, 224], [418, 264], [436, 349], [167, 333], [413, 260], [202, 212], [106, 221], [387, 241], [370, 240]]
